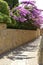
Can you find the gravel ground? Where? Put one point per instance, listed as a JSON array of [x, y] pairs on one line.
[[23, 55]]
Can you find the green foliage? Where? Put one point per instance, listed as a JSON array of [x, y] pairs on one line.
[[12, 2], [19, 25], [4, 18], [4, 7]]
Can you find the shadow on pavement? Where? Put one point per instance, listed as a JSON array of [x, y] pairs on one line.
[[17, 53]]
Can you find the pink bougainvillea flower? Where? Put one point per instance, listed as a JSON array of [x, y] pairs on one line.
[[28, 2], [24, 11], [11, 14], [28, 13], [21, 19]]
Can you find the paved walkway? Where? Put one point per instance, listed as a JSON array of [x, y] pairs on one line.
[[23, 55]]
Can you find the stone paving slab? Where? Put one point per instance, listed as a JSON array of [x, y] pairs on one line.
[[23, 55]]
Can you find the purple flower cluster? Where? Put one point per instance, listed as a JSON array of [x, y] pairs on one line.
[[28, 13], [29, 2]]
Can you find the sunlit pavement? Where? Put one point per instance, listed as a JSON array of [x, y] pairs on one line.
[[23, 55]]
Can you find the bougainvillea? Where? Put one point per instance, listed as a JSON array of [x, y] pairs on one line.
[[28, 13]]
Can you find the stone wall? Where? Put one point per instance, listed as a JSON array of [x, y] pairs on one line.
[[12, 38]]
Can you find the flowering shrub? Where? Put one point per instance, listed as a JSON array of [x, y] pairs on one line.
[[27, 16]]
